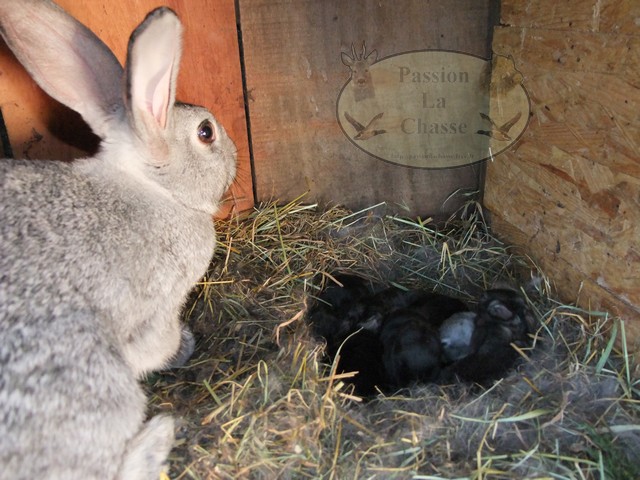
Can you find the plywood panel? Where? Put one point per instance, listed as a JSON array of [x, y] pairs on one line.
[[574, 51], [573, 182], [294, 75], [605, 16], [210, 75]]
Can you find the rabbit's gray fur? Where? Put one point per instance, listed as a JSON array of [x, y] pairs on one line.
[[97, 255]]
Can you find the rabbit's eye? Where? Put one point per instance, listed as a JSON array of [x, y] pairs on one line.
[[206, 132]]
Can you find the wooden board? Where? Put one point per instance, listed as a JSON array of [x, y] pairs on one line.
[[294, 74], [573, 182], [210, 75]]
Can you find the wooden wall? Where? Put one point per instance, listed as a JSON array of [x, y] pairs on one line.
[[210, 75], [569, 193], [294, 75]]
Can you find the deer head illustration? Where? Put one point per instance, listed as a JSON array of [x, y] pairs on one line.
[[360, 74]]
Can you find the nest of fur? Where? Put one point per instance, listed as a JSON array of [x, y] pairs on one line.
[[258, 399]]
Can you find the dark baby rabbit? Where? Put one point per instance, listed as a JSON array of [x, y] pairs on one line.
[[411, 340], [97, 255], [340, 309], [388, 336], [341, 315], [502, 318]]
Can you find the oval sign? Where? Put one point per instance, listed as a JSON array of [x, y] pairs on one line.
[[432, 108]]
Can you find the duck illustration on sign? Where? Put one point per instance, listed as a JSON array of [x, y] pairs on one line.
[[500, 133], [431, 109], [362, 132]]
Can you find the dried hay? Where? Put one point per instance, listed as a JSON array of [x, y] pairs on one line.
[[256, 400]]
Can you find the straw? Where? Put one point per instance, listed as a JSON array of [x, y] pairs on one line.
[[259, 401]]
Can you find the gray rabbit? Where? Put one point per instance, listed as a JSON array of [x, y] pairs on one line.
[[97, 255]]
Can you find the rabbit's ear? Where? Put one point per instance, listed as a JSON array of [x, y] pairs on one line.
[[65, 58], [153, 61]]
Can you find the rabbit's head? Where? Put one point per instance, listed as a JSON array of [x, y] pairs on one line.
[[177, 149], [505, 311], [184, 148]]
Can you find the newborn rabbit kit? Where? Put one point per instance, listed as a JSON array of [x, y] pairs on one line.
[[98, 255], [391, 338]]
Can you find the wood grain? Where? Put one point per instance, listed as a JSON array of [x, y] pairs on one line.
[[294, 75], [574, 179], [604, 16], [210, 75]]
